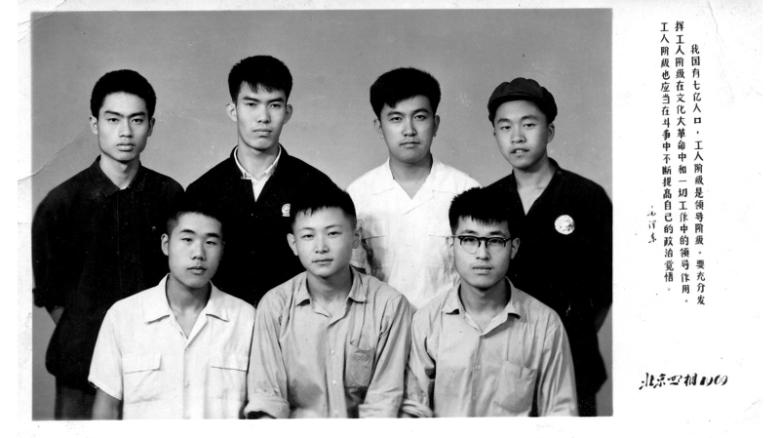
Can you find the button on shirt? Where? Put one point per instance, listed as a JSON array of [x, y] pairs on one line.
[[143, 357], [257, 183], [404, 240], [457, 369], [307, 363]]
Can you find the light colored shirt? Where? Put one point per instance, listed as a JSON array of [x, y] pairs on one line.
[[143, 357], [404, 240], [521, 358], [307, 363], [257, 183]]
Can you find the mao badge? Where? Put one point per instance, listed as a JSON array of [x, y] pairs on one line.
[[564, 224], [286, 210]]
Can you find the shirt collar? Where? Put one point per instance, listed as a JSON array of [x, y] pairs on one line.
[[157, 306], [266, 173], [356, 293], [100, 184], [452, 304], [387, 182]]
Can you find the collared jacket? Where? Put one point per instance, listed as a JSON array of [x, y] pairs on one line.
[[257, 256]]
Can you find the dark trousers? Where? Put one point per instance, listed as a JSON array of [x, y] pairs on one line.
[[73, 402], [586, 405]]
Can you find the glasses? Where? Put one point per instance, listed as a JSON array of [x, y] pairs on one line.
[[471, 243]]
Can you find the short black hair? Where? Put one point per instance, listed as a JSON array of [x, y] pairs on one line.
[[260, 71], [403, 83], [482, 205], [328, 196], [122, 81], [188, 204]]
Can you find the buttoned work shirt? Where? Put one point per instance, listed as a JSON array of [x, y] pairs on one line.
[[520, 364], [92, 245], [143, 357], [404, 240], [257, 183], [307, 363]]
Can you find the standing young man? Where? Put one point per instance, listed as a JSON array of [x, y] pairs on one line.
[[485, 348], [331, 341], [255, 187], [95, 237], [564, 223], [181, 348], [402, 204]]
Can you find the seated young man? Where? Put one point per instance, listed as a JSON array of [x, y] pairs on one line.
[[402, 204], [254, 187], [330, 342], [486, 348], [181, 348], [565, 223]]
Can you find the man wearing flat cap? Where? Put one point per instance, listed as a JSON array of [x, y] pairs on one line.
[[564, 223]]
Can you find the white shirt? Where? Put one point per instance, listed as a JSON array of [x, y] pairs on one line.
[[404, 240], [257, 184], [143, 357]]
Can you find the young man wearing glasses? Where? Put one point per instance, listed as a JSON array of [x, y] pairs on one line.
[[485, 348]]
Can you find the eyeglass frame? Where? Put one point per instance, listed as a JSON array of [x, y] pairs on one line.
[[481, 240]]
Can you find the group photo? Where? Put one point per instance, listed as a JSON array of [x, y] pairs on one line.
[[321, 214]]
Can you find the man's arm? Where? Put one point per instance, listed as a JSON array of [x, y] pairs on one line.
[[420, 373], [49, 260], [601, 298], [556, 392], [267, 377], [385, 390], [105, 406]]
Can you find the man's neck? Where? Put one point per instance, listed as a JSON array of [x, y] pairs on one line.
[[121, 174], [537, 176], [411, 176], [329, 290], [484, 302], [257, 162], [184, 299]]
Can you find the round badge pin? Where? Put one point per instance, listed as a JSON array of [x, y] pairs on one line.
[[564, 224], [286, 210]]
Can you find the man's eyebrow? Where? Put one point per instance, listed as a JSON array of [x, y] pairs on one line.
[[490, 234], [116, 113]]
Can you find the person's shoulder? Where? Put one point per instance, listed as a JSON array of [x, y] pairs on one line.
[[281, 296], [366, 179], [379, 291], [455, 180], [132, 307], [73, 187], [300, 169], [162, 181], [234, 304], [211, 178], [581, 185], [506, 182], [534, 310]]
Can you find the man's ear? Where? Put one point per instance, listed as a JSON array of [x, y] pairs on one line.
[[164, 242], [515, 246], [378, 128], [436, 122], [550, 132], [151, 127], [288, 112], [230, 109], [93, 121], [291, 242]]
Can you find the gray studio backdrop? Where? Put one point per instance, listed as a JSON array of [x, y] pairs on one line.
[[334, 57]]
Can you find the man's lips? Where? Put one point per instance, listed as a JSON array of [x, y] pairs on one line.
[[197, 269], [480, 269]]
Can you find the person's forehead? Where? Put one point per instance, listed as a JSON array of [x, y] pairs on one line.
[[259, 90], [198, 223], [518, 108], [410, 104], [322, 217], [482, 228], [123, 99]]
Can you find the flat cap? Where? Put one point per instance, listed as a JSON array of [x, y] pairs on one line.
[[522, 89]]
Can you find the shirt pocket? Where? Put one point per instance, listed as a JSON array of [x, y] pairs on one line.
[[377, 248], [227, 376], [515, 387], [359, 367], [142, 377]]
